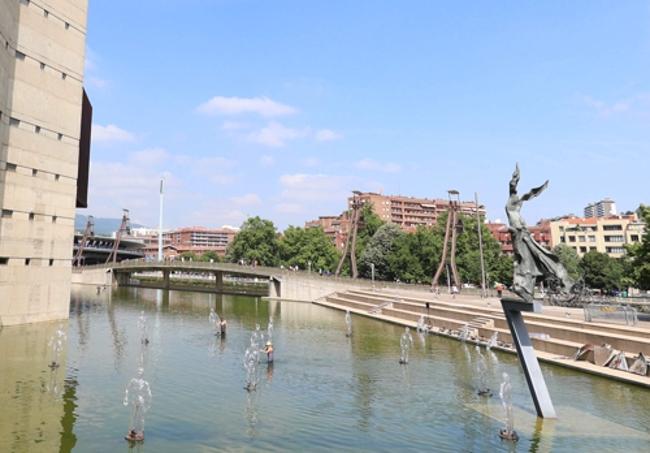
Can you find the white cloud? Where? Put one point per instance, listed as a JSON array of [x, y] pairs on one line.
[[373, 165], [110, 133], [249, 199], [236, 106], [311, 162], [327, 135], [267, 161], [288, 208], [627, 105], [234, 125], [150, 157], [312, 187], [607, 109], [276, 135], [96, 82]]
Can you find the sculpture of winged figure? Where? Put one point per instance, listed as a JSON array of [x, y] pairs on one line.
[[532, 261]]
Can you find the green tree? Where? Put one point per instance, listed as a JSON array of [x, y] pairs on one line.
[[378, 250], [569, 259], [601, 271], [299, 246], [257, 240], [210, 255], [416, 255], [639, 254]]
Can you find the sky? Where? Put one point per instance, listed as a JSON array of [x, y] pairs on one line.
[[282, 108]]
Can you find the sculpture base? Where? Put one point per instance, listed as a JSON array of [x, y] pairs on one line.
[[134, 436], [512, 309], [508, 435]]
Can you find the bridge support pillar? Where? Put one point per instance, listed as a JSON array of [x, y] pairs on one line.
[[165, 279], [218, 278], [121, 278], [275, 287]]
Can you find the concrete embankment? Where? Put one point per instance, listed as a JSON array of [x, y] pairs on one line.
[[555, 339]]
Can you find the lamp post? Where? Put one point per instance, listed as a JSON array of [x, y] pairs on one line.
[[372, 274], [160, 222]]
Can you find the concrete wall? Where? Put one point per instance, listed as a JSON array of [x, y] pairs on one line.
[[300, 287], [95, 277], [42, 47]]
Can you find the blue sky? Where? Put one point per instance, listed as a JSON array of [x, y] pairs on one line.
[[281, 108]]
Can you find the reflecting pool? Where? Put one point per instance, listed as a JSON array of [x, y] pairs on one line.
[[324, 392]]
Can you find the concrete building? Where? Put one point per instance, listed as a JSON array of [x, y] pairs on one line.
[[44, 151], [603, 208], [541, 234], [602, 234], [411, 212]]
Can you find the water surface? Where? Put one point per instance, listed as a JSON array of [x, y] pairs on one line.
[[325, 392]]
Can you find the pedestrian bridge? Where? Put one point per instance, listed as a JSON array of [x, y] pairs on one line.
[[282, 283]]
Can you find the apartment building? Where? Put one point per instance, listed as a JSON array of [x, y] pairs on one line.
[[602, 234], [411, 212]]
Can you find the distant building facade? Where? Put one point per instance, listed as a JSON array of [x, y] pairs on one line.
[[410, 212], [406, 212], [607, 234], [603, 208], [196, 239], [45, 120], [540, 232]]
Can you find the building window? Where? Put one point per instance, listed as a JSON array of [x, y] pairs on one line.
[[10, 167], [27, 261], [60, 136], [7, 213], [583, 249], [634, 238], [31, 216], [612, 227], [46, 13], [20, 55], [614, 239], [54, 219], [37, 129], [592, 238], [64, 75], [51, 262], [67, 25], [592, 249], [42, 66], [4, 260], [14, 122], [562, 239], [572, 238], [57, 177], [34, 172], [582, 238]]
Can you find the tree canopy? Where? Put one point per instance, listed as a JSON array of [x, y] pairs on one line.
[[569, 259], [257, 241], [300, 246], [378, 250]]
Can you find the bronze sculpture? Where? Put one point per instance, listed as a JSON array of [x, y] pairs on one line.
[[532, 261]]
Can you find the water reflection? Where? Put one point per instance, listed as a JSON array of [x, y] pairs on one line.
[[30, 392]]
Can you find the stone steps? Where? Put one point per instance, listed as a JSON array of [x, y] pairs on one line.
[[578, 332], [452, 318]]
